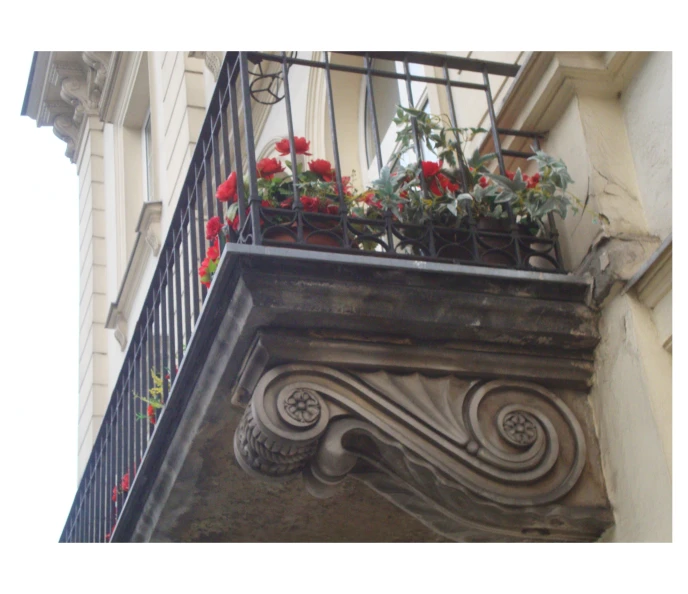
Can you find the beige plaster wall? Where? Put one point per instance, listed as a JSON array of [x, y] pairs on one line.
[[646, 107], [632, 405], [93, 305]]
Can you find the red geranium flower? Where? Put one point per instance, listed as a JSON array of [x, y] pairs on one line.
[[226, 191], [234, 223], [322, 168], [532, 181], [310, 204], [212, 228], [431, 168], [510, 175], [332, 209], [267, 168], [114, 493], [369, 199], [125, 482], [301, 146], [483, 182], [287, 203], [150, 411], [214, 250]]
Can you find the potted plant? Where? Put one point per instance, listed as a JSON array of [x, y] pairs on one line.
[[449, 190]]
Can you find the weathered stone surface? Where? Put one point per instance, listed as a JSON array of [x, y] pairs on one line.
[[270, 306]]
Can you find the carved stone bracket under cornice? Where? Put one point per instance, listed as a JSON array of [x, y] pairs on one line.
[[147, 243], [213, 60], [472, 459], [65, 89]]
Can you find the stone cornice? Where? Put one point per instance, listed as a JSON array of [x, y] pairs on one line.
[[548, 81], [64, 90], [653, 281], [147, 243]]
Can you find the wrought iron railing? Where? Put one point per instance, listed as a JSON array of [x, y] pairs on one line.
[[157, 353]]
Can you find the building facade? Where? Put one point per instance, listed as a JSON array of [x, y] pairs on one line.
[[483, 400]]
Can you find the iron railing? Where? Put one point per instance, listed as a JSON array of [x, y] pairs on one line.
[[157, 352]]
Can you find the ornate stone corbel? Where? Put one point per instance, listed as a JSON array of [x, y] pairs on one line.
[[65, 129], [472, 459]]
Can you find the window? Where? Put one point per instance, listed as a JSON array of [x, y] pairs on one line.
[[148, 159]]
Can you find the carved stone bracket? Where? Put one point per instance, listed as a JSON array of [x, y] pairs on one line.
[[472, 459], [65, 89]]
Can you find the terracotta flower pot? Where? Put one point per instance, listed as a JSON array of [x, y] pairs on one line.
[[326, 234]]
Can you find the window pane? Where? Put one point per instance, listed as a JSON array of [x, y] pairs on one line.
[[386, 95]]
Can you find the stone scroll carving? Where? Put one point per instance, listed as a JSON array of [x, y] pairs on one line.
[[473, 460]]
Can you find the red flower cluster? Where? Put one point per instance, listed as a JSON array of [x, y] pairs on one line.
[[115, 492], [125, 483], [150, 412], [267, 168], [369, 199], [212, 228], [214, 249], [438, 183], [430, 168], [227, 190], [483, 182], [531, 181], [322, 168], [310, 204], [301, 146]]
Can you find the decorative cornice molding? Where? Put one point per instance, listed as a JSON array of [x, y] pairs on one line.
[[653, 281], [147, 242], [472, 459]]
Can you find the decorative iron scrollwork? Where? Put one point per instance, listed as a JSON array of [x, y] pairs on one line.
[[267, 80]]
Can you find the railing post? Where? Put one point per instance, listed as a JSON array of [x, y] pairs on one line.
[[254, 198]]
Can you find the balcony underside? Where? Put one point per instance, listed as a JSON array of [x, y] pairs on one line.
[[458, 394]]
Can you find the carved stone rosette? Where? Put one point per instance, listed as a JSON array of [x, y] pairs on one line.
[[473, 460]]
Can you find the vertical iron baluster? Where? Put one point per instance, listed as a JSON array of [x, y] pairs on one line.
[[171, 334], [215, 151], [115, 449], [224, 129], [335, 150], [198, 191], [89, 506], [110, 471], [140, 404], [254, 198], [378, 148], [500, 159], [207, 177], [465, 175], [187, 276], [158, 330], [195, 261], [100, 533], [206, 170], [150, 363], [297, 206], [419, 150], [238, 167], [176, 261]]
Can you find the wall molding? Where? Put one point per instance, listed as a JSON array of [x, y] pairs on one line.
[[147, 244]]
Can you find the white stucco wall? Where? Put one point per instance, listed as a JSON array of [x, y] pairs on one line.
[[647, 113]]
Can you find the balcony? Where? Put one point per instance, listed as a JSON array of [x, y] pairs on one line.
[[441, 361]]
